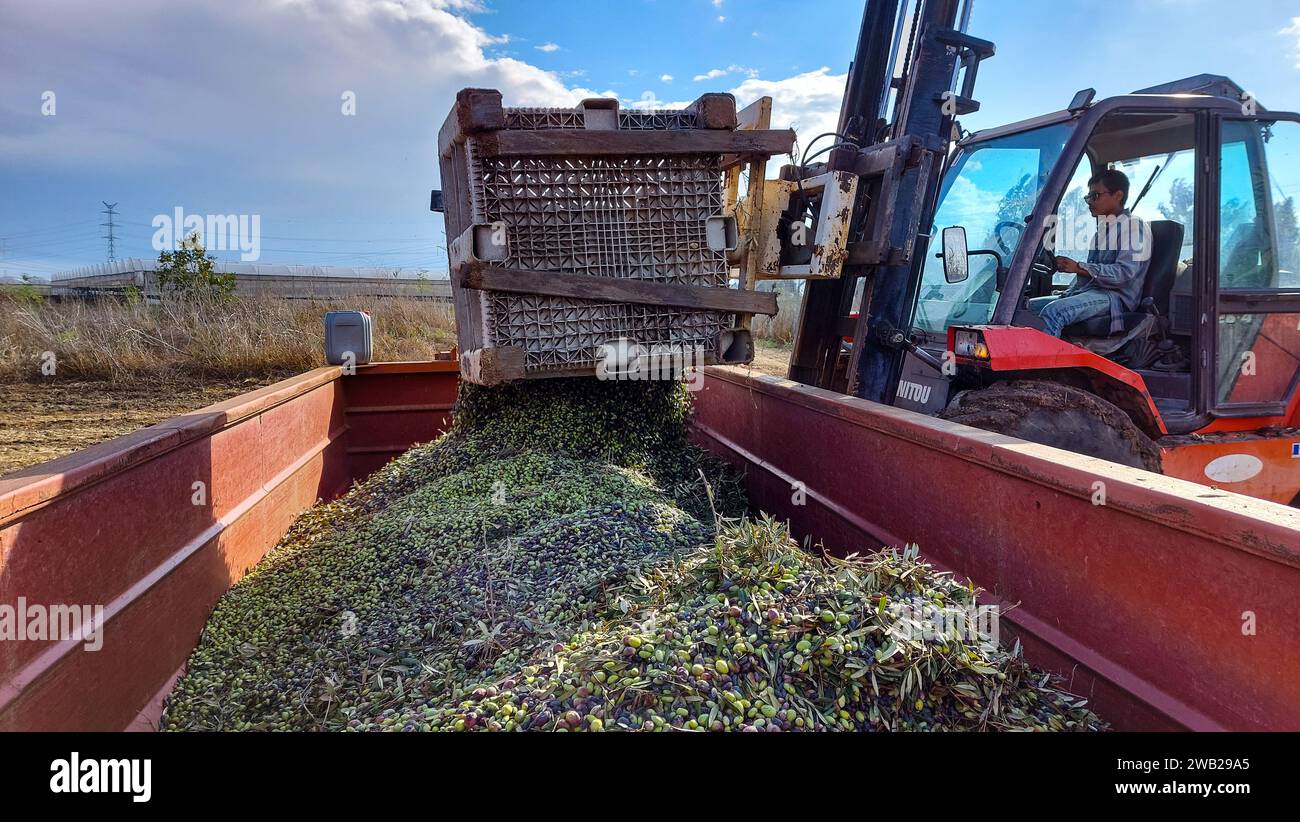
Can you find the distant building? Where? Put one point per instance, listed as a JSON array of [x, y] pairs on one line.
[[305, 282]]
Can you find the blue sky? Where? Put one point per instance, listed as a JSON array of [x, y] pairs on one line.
[[232, 107]]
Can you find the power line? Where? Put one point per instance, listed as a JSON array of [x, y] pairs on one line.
[[56, 229], [52, 243], [420, 238], [111, 237]]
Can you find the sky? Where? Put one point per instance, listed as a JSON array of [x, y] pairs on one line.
[[238, 107]]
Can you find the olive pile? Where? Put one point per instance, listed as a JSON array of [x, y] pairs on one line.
[[751, 633], [462, 558], [564, 559]]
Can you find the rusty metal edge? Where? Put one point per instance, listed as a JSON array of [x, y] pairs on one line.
[[1266, 529], [29, 675], [410, 367], [147, 718], [32, 489], [29, 489]]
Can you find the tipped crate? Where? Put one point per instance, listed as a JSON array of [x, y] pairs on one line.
[[576, 233]]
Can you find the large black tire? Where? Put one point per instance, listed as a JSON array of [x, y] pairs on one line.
[[1056, 415]]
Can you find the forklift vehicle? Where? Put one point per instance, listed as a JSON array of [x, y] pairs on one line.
[[1202, 380]]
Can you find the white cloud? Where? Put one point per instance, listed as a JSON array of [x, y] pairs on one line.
[[547, 47], [713, 74], [722, 18], [665, 78], [1294, 28], [183, 124], [809, 103], [295, 58], [717, 4], [966, 204], [264, 133]]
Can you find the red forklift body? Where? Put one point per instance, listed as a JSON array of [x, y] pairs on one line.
[[1260, 460]]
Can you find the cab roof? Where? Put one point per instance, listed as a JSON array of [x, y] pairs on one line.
[[1204, 85]]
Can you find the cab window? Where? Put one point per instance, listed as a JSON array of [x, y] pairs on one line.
[[1258, 350], [990, 189]]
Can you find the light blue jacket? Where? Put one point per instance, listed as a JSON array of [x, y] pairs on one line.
[[1118, 263]]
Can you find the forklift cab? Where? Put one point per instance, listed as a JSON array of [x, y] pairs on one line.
[[1213, 175]]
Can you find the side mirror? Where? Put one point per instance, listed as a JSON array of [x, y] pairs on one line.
[[956, 257]]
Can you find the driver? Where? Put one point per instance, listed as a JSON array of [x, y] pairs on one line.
[[1109, 283]]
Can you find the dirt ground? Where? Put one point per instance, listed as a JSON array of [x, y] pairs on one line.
[[39, 422], [771, 359]]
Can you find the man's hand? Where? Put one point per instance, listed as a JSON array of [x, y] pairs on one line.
[[1068, 266]]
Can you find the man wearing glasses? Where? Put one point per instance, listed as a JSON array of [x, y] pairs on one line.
[[1109, 283]]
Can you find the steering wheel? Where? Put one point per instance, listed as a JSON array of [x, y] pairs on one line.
[[1041, 269], [997, 235], [1044, 262]]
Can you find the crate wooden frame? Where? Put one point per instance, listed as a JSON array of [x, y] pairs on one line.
[[616, 228]]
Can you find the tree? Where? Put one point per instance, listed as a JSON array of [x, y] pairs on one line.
[[191, 272], [26, 291], [1182, 198], [1234, 213], [1018, 202]]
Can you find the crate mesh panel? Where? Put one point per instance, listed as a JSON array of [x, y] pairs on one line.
[[542, 118], [557, 333], [632, 217], [548, 118], [657, 119]]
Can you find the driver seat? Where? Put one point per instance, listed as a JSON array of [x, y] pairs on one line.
[[1166, 243]]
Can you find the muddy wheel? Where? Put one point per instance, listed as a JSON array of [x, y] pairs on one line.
[[1056, 415]]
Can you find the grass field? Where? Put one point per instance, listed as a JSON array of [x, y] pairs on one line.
[[73, 374], [120, 367], [203, 339]]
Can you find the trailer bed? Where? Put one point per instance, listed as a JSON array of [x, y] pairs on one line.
[[1139, 602]]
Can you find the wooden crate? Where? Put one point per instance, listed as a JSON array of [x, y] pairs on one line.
[[577, 232]]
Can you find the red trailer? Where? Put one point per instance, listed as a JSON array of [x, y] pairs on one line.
[[1170, 606]]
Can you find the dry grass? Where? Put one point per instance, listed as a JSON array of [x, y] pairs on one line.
[[187, 339], [780, 328], [204, 339], [123, 366]]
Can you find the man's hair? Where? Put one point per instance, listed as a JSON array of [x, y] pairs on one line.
[[1113, 179]]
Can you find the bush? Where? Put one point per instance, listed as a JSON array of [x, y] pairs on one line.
[[190, 272], [23, 293]]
